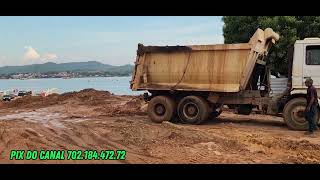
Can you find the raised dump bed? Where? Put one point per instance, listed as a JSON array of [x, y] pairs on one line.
[[214, 68]]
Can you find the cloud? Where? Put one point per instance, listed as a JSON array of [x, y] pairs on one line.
[[49, 56], [31, 54]]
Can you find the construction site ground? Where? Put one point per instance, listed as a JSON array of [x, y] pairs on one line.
[[99, 120]]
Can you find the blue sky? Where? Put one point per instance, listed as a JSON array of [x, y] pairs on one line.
[[108, 39]]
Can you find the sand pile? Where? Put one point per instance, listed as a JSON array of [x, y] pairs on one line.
[[106, 103], [87, 96], [132, 106]]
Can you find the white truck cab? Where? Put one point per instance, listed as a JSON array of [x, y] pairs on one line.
[[305, 63]]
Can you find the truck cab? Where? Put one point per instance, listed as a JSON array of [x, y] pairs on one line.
[[304, 63]]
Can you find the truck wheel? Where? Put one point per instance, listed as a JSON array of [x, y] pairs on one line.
[[193, 110], [161, 108], [293, 114], [244, 109]]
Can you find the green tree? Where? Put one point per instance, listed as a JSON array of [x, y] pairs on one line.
[[309, 26], [239, 29]]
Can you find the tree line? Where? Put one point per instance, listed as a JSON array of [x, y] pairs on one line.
[[239, 29]]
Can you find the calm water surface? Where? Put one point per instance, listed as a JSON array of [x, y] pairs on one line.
[[116, 85]]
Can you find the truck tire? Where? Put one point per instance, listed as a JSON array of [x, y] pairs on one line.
[[161, 108], [293, 114], [244, 109], [193, 110]]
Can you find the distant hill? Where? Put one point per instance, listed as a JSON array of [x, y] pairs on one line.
[[63, 67]]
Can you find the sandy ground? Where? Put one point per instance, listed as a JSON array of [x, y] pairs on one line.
[[98, 120]]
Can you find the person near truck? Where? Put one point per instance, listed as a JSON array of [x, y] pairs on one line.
[[312, 105]]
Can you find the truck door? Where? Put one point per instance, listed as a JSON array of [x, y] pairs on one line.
[[311, 67]]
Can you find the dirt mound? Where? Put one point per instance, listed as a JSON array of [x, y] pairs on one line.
[[131, 107], [28, 101], [86, 96], [106, 103]]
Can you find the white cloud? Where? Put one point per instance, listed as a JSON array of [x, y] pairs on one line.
[[31, 54], [49, 56]]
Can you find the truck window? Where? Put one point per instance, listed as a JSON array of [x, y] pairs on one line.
[[313, 55]]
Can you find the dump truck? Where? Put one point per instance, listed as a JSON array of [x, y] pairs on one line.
[[192, 83]]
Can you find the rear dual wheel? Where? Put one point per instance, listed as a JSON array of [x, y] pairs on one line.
[[162, 108], [193, 110]]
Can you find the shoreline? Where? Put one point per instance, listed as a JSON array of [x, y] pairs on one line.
[[64, 78], [117, 85]]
